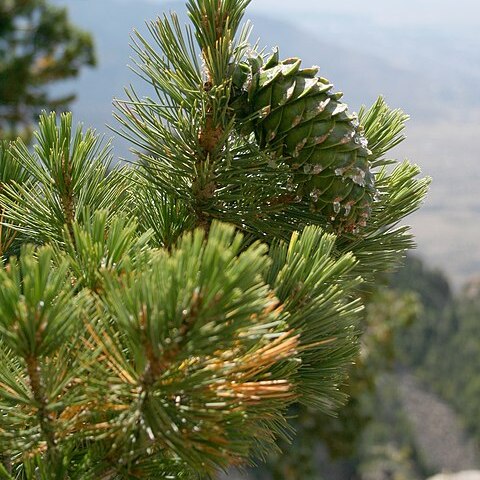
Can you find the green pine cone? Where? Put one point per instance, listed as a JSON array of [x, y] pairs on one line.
[[293, 113]]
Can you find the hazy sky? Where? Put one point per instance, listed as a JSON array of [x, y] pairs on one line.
[[393, 12], [389, 12], [452, 21], [450, 15]]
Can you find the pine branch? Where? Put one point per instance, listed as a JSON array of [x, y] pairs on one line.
[[216, 23], [319, 292], [385, 241], [10, 173], [69, 174], [211, 315], [35, 376], [383, 128], [39, 322], [4, 473], [94, 247], [187, 135], [166, 217]]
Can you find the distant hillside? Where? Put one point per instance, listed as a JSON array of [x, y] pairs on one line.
[[442, 346], [439, 434]]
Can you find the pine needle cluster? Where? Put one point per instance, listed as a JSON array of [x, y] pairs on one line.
[[158, 318]]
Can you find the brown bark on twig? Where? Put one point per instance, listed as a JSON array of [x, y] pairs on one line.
[[68, 201], [44, 417]]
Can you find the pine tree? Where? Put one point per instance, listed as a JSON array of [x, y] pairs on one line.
[[38, 46], [157, 319]]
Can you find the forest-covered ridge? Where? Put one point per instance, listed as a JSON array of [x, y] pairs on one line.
[[443, 346]]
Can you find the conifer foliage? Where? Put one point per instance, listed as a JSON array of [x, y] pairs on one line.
[[157, 319]]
